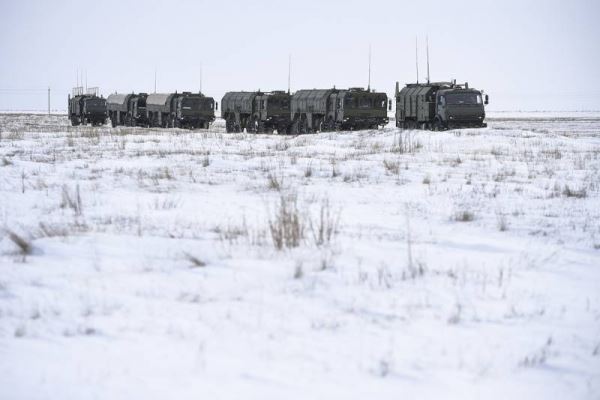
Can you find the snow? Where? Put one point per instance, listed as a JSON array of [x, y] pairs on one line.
[[461, 265]]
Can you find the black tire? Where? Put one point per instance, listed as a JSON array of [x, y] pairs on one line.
[[251, 126], [302, 126]]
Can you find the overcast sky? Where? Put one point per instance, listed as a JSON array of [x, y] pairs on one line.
[[528, 55]]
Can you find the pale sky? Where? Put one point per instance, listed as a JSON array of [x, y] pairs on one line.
[[527, 55]]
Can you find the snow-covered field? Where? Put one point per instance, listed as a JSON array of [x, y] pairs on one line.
[[154, 264]]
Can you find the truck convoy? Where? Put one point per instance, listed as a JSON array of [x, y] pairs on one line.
[[431, 105], [439, 106]]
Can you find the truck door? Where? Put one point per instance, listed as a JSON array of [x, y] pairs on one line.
[[331, 106], [263, 104]]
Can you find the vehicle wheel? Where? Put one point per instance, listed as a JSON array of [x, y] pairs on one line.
[[303, 126], [319, 126], [294, 128], [332, 125], [251, 126]]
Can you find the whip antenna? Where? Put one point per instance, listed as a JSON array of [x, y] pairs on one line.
[[154, 79], [289, 72], [417, 56], [427, 41], [369, 85]]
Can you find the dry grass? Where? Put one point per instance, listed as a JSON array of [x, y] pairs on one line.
[[286, 225], [196, 262], [273, 183], [22, 244], [393, 167], [325, 226], [464, 216], [576, 193]]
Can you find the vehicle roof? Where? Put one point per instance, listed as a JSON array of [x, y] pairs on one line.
[[159, 99], [118, 98]]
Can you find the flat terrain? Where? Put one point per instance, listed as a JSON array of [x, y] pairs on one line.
[[141, 263]]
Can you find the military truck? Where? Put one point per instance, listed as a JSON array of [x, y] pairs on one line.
[[257, 112], [180, 110], [127, 109], [333, 109], [236, 109], [86, 108], [439, 106]]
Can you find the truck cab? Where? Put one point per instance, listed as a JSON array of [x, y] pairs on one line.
[[459, 107], [271, 112], [194, 111]]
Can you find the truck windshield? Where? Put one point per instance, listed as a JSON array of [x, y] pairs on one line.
[[463, 98], [365, 102], [96, 103], [278, 102]]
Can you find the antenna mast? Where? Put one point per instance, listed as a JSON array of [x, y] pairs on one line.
[[417, 56], [86, 79], [200, 77], [154, 79], [427, 40], [289, 72], [369, 85]]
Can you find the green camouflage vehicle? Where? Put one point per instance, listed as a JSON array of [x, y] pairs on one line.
[[439, 106], [180, 110], [127, 109], [257, 112], [86, 108], [320, 110]]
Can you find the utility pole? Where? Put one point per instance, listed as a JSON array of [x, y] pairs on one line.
[[48, 100]]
